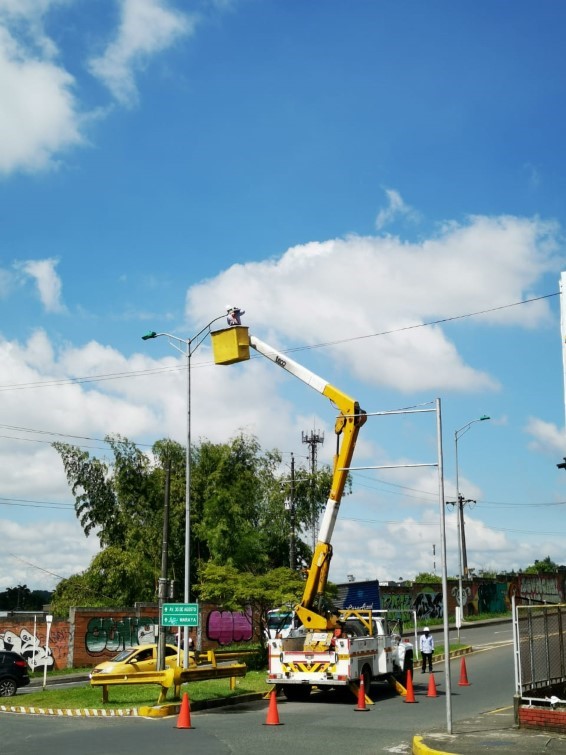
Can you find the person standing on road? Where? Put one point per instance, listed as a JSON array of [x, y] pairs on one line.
[[427, 649]]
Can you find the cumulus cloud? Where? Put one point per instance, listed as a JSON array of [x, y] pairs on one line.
[[146, 28], [47, 281], [546, 437], [335, 290], [40, 115]]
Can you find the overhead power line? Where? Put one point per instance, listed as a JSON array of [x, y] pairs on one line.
[[351, 339]]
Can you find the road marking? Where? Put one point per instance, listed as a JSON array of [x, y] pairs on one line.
[[499, 710]]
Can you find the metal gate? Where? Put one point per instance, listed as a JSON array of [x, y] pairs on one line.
[[539, 647]]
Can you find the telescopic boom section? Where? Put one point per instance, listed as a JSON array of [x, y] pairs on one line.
[[347, 426]]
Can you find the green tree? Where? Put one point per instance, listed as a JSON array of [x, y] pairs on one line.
[[21, 598], [236, 590], [426, 577], [546, 566], [238, 516]]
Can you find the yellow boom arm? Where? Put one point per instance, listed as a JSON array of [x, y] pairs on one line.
[[231, 345]]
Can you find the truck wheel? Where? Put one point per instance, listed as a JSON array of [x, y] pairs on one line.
[[297, 692]]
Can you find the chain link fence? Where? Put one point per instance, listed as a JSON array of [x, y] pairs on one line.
[[540, 647]]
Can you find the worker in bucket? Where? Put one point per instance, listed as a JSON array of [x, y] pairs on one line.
[[427, 649], [234, 316]]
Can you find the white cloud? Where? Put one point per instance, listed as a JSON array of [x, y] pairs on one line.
[[343, 288], [39, 555], [47, 281], [546, 437], [39, 115], [147, 27], [395, 209]]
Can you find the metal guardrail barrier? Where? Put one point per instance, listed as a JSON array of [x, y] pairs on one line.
[[171, 677]]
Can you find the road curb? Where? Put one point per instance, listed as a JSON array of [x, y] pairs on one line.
[[145, 711], [70, 712], [420, 748]]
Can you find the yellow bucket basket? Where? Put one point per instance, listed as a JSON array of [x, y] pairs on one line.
[[230, 345]]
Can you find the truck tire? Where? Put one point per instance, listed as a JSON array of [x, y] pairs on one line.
[[297, 692]]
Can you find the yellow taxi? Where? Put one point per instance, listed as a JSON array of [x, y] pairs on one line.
[[138, 658]]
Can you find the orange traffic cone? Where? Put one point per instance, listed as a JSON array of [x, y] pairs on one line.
[[431, 687], [184, 720], [463, 674], [272, 712], [410, 696], [361, 706]]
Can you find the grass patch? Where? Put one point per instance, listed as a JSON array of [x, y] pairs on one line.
[[134, 696]]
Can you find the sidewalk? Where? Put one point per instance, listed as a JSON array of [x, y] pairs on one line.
[[489, 732]]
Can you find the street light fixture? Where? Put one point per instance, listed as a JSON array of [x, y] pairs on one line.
[[457, 435], [187, 347]]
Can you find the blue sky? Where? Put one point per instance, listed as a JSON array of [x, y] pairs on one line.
[[363, 178]]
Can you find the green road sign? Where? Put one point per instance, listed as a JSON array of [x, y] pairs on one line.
[[179, 615]]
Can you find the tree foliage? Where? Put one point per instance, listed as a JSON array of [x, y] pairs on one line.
[[236, 590], [21, 598], [238, 516], [426, 577], [546, 566]]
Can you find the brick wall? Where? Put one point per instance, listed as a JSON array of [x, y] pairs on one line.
[[542, 718], [27, 636]]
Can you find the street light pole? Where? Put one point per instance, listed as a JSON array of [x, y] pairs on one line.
[[187, 347], [457, 435]]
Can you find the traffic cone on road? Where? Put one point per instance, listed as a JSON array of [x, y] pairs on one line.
[[463, 674], [410, 696], [272, 712], [184, 720], [431, 687], [361, 706]]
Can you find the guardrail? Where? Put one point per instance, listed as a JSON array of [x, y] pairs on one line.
[[170, 677]]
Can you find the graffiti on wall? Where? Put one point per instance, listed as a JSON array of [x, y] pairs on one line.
[[29, 647], [493, 598], [544, 589], [226, 627], [397, 602], [105, 634], [428, 605], [466, 595]]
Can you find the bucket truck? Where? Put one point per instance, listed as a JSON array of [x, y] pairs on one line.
[[327, 650]]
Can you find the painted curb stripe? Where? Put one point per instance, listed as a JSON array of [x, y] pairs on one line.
[[419, 748]]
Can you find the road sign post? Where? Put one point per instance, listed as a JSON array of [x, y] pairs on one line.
[[180, 615]]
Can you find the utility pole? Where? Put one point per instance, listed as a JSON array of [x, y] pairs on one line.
[[312, 441], [461, 503], [160, 666]]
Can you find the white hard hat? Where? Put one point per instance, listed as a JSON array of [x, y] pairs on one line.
[[426, 629]]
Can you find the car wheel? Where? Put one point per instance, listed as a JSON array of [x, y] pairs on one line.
[[8, 687]]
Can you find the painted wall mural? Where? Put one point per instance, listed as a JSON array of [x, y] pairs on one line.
[[541, 588], [226, 627], [28, 645]]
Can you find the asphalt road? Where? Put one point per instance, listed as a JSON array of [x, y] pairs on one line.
[[317, 726]]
